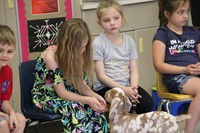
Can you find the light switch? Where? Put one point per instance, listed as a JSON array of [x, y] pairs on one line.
[[141, 45], [10, 3]]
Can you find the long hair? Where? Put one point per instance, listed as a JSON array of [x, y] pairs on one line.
[[167, 5], [71, 60], [7, 36]]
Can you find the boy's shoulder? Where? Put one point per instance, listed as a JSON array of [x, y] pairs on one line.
[[6, 69]]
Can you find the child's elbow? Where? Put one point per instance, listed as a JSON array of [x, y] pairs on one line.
[[101, 77]]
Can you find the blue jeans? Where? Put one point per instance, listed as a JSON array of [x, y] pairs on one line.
[[175, 83]]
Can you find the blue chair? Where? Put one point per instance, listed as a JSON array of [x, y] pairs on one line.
[[174, 104], [27, 78]]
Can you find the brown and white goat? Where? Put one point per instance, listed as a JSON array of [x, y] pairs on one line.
[[152, 122]]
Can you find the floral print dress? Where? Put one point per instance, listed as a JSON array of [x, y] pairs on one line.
[[76, 117]]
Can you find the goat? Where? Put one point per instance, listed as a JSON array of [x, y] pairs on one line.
[[152, 122]]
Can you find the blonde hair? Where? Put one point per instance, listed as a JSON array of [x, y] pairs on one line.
[[106, 4], [71, 60], [7, 36], [170, 6]]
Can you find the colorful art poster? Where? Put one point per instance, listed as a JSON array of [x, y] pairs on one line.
[[24, 38], [42, 33], [44, 6]]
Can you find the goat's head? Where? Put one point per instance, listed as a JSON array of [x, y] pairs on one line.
[[118, 100]]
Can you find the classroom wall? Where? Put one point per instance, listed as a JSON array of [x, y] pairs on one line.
[[9, 16]]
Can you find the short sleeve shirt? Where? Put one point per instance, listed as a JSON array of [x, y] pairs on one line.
[[116, 59], [181, 50], [6, 80]]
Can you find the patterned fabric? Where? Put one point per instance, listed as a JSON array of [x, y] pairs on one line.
[[77, 117]]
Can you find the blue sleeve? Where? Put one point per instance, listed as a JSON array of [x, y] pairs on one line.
[[161, 35]]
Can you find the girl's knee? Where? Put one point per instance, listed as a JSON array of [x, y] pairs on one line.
[[196, 94], [4, 126], [21, 125], [22, 119], [3, 123]]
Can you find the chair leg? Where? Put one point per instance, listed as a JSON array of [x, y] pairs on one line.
[[161, 104], [38, 127], [168, 106], [172, 107], [28, 122]]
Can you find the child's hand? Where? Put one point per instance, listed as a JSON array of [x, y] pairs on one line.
[[96, 105], [132, 94], [197, 66], [13, 121], [135, 89], [193, 69], [101, 100]]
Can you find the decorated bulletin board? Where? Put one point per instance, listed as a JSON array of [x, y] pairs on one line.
[[40, 21]]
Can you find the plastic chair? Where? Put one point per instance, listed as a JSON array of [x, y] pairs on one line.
[[172, 103], [27, 78]]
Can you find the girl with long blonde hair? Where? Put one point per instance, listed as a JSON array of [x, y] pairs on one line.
[[64, 75]]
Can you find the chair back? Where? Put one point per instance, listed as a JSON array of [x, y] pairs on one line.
[[161, 87], [163, 91], [27, 78]]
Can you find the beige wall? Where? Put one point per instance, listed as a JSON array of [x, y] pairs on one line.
[[141, 25], [8, 17], [29, 16]]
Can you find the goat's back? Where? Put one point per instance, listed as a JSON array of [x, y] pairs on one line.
[[151, 122]]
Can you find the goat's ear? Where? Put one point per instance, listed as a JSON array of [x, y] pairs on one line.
[[107, 96], [113, 108], [127, 103]]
